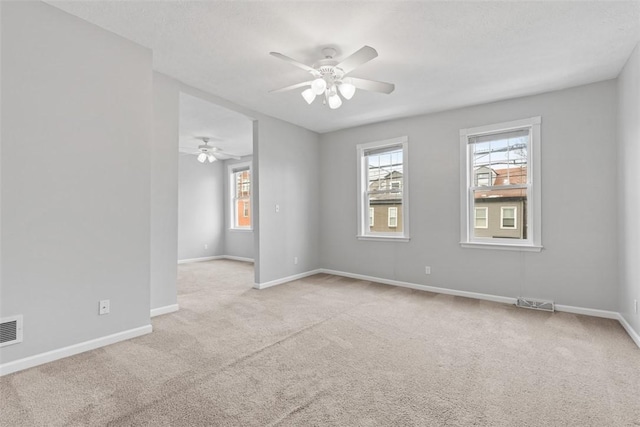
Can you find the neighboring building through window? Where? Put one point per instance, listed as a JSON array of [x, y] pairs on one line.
[[481, 218], [500, 175], [393, 217], [508, 217], [240, 192], [382, 189]]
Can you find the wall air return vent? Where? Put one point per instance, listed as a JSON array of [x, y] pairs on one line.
[[535, 304], [10, 330]]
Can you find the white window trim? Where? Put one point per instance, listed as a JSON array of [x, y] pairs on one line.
[[515, 217], [231, 200], [363, 232], [534, 209], [486, 217]]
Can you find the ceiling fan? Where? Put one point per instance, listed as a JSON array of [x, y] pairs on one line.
[[206, 152], [330, 77]]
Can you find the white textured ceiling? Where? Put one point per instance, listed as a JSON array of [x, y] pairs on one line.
[[440, 55], [227, 130]]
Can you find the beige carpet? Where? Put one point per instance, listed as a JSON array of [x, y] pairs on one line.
[[332, 351]]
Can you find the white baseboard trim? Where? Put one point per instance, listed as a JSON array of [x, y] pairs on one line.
[[285, 279], [206, 258], [627, 327], [238, 258], [594, 312], [495, 298], [50, 356], [164, 310], [467, 294]]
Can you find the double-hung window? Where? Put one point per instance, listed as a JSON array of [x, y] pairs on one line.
[[240, 195], [383, 211], [500, 194]]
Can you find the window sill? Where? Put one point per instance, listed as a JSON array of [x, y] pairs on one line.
[[501, 246], [384, 238], [242, 230]]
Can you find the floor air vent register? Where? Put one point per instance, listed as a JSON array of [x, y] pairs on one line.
[[10, 330], [535, 304]]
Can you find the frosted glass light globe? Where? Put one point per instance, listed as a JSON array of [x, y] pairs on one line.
[[319, 86], [309, 95]]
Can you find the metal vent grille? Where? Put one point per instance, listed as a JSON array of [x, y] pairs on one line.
[[535, 304], [10, 330]]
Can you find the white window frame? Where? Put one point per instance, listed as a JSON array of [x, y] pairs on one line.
[[364, 232], [393, 209], [515, 217], [486, 216], [232, 169], [533, 242]]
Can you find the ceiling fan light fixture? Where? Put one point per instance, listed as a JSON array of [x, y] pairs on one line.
[[347, 89], [211, 157], [334, 101], [319, 86], [309, 95], [202, 157]]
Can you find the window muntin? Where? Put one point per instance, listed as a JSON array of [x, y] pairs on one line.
[[382, 185], [500, 166], [240, 200]]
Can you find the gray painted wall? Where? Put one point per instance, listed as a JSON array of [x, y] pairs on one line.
[[200, 208], [288, 176], [238, 243], [629, 191], [164, 192], [76, 137], [578, 265]]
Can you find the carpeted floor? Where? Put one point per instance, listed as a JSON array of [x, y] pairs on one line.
[[327, 350]]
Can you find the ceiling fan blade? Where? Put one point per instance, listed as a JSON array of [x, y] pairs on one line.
[[295, 86], [372, 85], [362, 56], [188, 150], [224, 156], [294, 62]]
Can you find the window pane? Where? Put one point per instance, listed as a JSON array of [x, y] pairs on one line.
[[386, 212], [500, 159], [242, 198], [385, 170], [506, 213]]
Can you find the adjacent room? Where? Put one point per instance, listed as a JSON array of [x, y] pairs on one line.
[[319, 213]]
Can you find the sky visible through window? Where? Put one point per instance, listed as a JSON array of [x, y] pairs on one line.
[[502, 153], [383, 164]]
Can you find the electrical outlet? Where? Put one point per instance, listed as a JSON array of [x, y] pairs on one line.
[[104, 306], [295, 259], [427, 270], [277, 208], [635, 306], [206, 246]]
